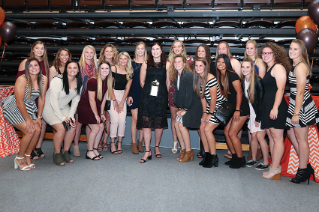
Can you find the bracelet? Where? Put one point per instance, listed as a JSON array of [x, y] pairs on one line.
[[296, 114], [102, 113], [39, 117], [238, 110]]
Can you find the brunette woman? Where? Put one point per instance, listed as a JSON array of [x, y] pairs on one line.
[[203, 51], [38, 51], [252, 53], [177, 47], [254, 92], [19, 109], [91, 107], [302, 110], [189, 106], [274, 106], [59, 114], [231, 87], [108, 54], [134, 95], [61, 58], [152, 111], [122, 76], [88, 68]]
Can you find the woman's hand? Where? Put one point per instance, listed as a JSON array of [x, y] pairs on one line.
[[295, 119], [115, 105], [208, 116], [256, 124], [203, 119], [121, 106], [30, 126], [103, 118], [274, 114], [129, 101], [39, 121], [98, 119], [236, 116], [67, 120]]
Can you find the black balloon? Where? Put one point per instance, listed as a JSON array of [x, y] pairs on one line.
[[313, 11], [7, 31], [310, 38]]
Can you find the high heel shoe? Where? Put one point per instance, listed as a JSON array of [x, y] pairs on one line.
[[39, 152], [175, 147], [311, 172], [92, 158], [211, 161], [99, 155], [183, 152], [20, 164], [157, 155], [232, 160], [189, 155], [67, 157], [105, 147], [148, 158], [204, 158], [274, 174], [119, 151], [240, 162], [303, 175], [134, 148], [115, 151], [58, 159], [32, 164]]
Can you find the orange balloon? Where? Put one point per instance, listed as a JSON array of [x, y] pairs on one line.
[[305, 22], [2, 15]]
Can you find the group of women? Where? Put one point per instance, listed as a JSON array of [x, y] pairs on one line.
[[97, 93]]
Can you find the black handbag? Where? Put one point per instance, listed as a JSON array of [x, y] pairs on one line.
[[225, 112]]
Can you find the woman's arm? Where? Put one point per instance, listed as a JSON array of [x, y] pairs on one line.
[[213, 96], [301, 72], [103, 106], [168, 64], [204, 106], [93, 105], [19, 92], [260, 95], [279, 72], [21, 69], [126, 91], [235, 64], [74, 105], [143, 74], [239, 96], [41, 99], [52, 73], [261, 67]]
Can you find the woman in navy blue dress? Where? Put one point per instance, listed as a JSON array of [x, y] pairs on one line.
[[134, 95]]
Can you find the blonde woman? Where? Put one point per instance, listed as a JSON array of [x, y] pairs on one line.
[[88, 68], [134, 95], [122, 76], [177, 47], [91, 107], [61, 58], [109, 54], [19, 109], [223, 48], [38, 51], [252, 53]]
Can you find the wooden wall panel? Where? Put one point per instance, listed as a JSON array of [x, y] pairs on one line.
[[116, 2], [14, 3], [37, 3], [61, 2], [170, 2], [90, 2], [143, 2]]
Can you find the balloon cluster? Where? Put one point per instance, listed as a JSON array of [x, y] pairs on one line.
[[7, 30], [306, 27]]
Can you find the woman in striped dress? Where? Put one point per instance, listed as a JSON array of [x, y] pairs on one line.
[[302, 110], [20, 110], [206, 86]]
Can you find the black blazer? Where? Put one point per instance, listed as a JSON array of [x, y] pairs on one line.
[[259, 94]]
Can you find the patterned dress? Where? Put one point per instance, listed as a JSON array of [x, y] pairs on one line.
[[308, 114], [11, 111], [219, 101]]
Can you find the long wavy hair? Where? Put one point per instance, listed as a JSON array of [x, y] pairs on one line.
[[197, 79], [252, 80], [57, 62], [45, 55], [225, 81], [207, 50], [171, 51], [99, 81], [115, 53], [304, 54], [252, 41], [280, 55], [82, 59], [172, 69], [229, 54], [66, 81], [129, 69], [28, 77], [150, 59], [145, 51]]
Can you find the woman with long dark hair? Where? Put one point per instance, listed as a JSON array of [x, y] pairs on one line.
[[59, 114], [19, 109], [152, 112], [230, 85], [61, 58]]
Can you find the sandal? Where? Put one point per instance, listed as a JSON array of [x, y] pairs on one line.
[[58, 159], [20, 164], [148, 158], [39, 152], [32, 164], [119, 151], [99, 155], [34, 155], [105, 147], [100, 148], [175, 147], [93, 158], [115, 151], [157, 155]]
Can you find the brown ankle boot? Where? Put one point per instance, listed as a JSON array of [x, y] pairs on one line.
[[134, 148], [188, 156], [140, 146], [183, 152]]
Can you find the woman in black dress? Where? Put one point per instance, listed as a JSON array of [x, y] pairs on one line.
[[231, 87], [153, 105], [274, 107]]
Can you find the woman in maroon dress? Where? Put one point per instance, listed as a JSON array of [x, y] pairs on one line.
[[39, 52], [91, 107]]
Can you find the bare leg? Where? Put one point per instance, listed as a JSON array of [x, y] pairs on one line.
[[271, 142], [253, 145], [184, 133], [228, 140], [292, 137], [41, 137], [278, 147], [147, 140], [98, 137], [78, 130], [173, 118], [95, 128], [179, 135], [233, 134], [302, 138], [58, 136], [263, 145], [107, 121], [209, 128], [203, 137], [158, 137], [133, 125]]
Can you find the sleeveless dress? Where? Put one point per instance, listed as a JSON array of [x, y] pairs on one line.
[[308, 114], [256, 68], [20, 73], [172, 88], [136, 89], [271, 88], [152, 111], [219, 101], [11, 111]]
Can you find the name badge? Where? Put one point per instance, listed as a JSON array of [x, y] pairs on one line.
[[154, 88]]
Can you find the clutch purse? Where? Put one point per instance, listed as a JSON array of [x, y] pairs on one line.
[[225, 112], [107, 105]]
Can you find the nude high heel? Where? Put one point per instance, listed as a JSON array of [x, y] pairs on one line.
[[273, 174]]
